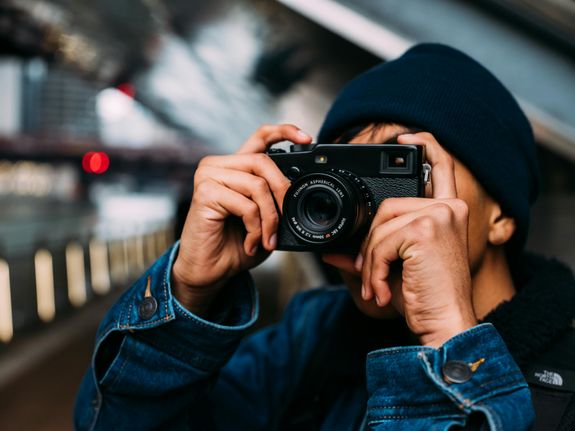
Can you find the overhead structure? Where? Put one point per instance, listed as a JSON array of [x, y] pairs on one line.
[[535, 62]]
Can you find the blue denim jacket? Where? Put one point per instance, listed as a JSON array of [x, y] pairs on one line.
[[173, 370]]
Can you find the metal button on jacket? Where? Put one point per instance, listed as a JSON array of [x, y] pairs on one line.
[[147, 308], [457, 372]]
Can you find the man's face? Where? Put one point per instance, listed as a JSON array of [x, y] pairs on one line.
[[468, 190]]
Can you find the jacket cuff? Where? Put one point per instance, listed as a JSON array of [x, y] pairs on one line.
[[158, 332], [471, 372]]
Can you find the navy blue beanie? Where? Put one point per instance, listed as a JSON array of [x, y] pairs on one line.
[[445, 92]]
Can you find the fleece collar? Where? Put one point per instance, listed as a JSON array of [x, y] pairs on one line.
[[542, 309]]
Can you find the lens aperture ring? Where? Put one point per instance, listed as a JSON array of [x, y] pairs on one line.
[[367, 196]]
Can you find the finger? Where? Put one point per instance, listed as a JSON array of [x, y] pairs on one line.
[[393, 214], [258, 164], [391, 208], [377, 235], [369, 289], [255, 188], [442, 164], [402, 211], [228, 202], [270, 134], [388, 246], [445, 214], [383, 256]]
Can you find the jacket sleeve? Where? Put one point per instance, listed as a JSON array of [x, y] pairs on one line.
[[156, 365], [472, 379], [153, 358]]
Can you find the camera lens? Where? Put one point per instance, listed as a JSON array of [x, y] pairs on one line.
[[320, 208], [327, 207]]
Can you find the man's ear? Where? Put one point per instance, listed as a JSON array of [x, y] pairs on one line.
[[501, 226]]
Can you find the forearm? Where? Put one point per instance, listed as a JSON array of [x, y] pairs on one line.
[[153, 364]]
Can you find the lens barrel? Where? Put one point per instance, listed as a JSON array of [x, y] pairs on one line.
[[327, 207], [319, 207]]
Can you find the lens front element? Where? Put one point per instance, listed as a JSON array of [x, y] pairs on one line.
[[319, 208], [325, 207]]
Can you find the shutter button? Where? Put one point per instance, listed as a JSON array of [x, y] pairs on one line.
[[456, 372], [147, 308]]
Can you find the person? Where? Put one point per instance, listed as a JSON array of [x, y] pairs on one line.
[[447, 339]]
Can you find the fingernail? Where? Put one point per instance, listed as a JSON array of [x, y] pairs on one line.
[[378, 301], [363, 291], [358, 262], [406, 135], [303, 134], [254, 250], [273, 240]]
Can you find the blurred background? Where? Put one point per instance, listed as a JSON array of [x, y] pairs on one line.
[[106, 106]]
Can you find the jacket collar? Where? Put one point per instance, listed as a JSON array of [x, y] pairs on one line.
[[542, 309]]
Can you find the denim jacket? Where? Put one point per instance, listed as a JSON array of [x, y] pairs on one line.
[[158, 366]]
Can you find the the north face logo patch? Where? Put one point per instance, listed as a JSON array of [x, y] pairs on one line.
[[550, 378]]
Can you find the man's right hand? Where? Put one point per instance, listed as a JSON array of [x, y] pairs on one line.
[[232, 222]]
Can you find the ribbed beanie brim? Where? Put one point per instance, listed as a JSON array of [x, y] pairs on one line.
[[467, 109]]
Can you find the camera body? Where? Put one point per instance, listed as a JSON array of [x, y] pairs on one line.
[[337, 188]]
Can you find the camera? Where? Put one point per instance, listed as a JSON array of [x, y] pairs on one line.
[[337, 188]]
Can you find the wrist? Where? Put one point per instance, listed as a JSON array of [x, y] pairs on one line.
[[448, 330], [195, 298]]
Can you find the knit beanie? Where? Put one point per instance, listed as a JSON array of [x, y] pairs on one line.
[[447, 93]]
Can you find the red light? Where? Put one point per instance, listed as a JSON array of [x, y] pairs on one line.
[[95, 162], [127, 88], [86, 161]]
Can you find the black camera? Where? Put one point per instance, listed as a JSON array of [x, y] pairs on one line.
[[337, 188]]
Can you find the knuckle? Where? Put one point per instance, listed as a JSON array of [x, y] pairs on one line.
[[253, 230], [269, 212], [273, 219], [205, 161], [387, 205], [386, 210], [443, 213], [377, 282], [251, 221], [256, 231], [261, 158], [252, 210], [376, 234], [427, 135], [260, 185], [204, 172], [199, 177], [445, 158], [423, 227], [460, 208], [289, 126], [202, 190], [265, 129], [376, 254]]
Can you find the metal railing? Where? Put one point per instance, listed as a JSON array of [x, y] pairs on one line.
[[36, 288]]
